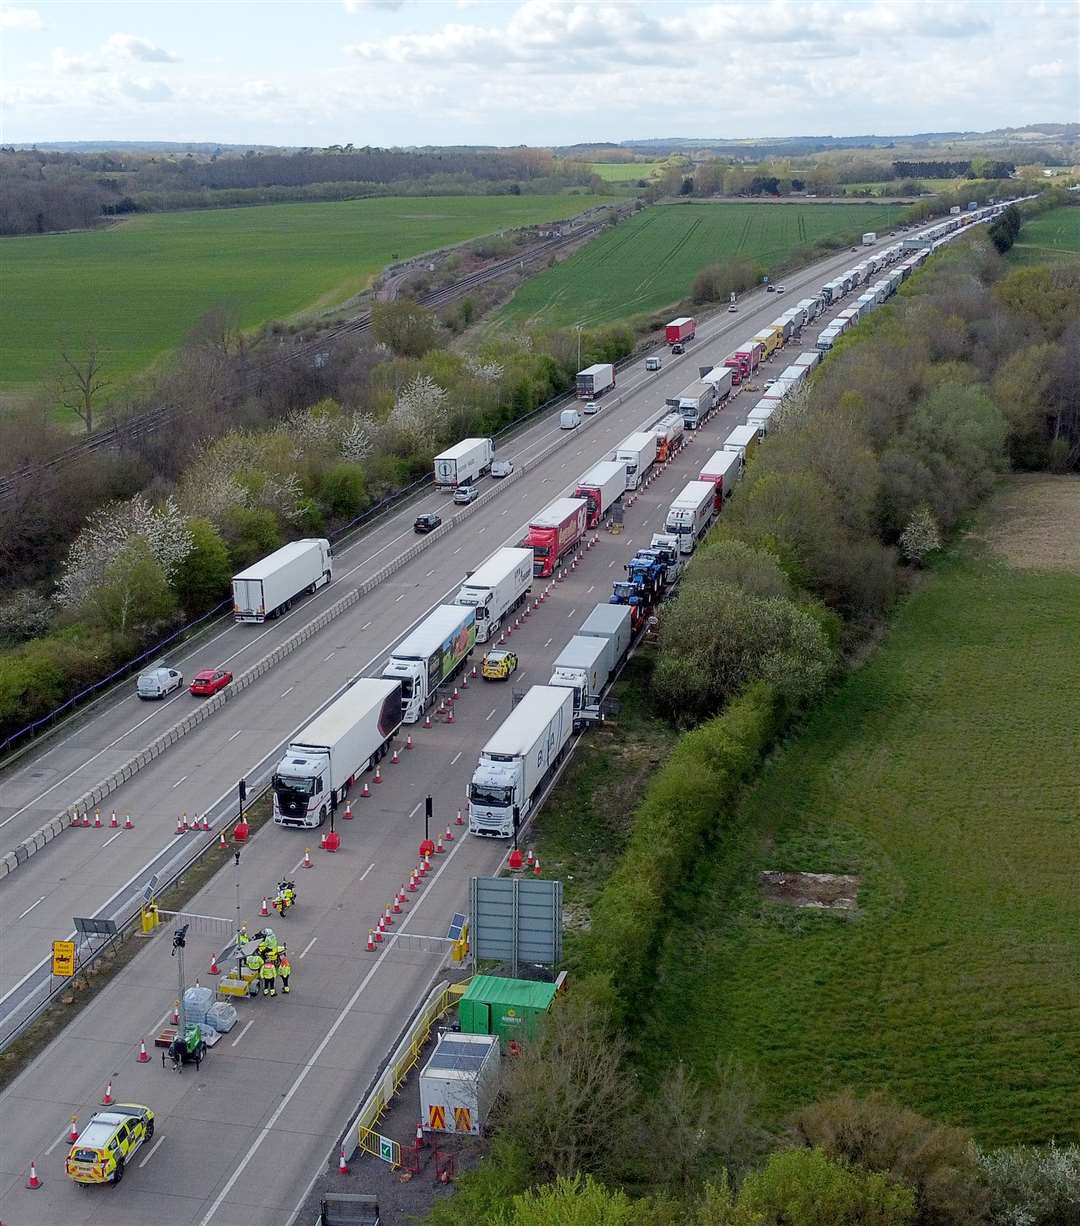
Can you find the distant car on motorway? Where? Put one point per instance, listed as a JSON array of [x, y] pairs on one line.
[[770, 289], [779, 289], [591, 406], [209, 680], [427, 523], [654, 363], [732, 309], [502, 468], [158, 680], [464, 494], [678, 348], [498, 665]]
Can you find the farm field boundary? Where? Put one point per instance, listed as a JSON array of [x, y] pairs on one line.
[[1052, 238]]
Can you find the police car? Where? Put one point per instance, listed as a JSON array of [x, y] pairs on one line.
[[498, 665], [108, 1142]]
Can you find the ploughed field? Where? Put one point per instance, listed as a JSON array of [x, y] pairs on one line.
[[1052, 238], [943, 777], [650, 261], [139, 286]]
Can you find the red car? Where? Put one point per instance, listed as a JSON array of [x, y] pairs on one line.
[[209, 681]]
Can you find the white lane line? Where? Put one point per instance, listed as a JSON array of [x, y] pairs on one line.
[[365, 625], [452, 761], [479, 530], [329, 657], [549, 642], [457, 550], [610, 565], [487, 717], [43, 897], [430, 573], [307, 946], [153, 1151], [112, 839], [589, 589], [238, 732], [366, 871], [59, 1141], [401, 597], [243, 1032], [416, 808], [570, 614], [504, 512], [288, 691], [182, 779], [313, 1059]]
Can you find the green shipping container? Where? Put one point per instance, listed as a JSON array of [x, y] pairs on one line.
[[509, 1008]]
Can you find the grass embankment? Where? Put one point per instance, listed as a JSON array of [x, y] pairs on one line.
[[650, 261], [625, 172], [139, 286], [944, 774], [1053, 238]]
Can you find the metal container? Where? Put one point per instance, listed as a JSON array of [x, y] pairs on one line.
[[459, 1083]]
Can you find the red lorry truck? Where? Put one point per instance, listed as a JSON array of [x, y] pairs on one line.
[[601, 487], [680, 330], [554, 532]]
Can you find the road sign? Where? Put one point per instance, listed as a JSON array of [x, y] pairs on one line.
[[516, 920], [437, 1118], [386, 1149], [90, 927], [149, 888], [462, 1119], [63, 958]]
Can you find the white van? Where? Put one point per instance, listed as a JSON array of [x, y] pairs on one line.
[[569, 419], [158, 681]]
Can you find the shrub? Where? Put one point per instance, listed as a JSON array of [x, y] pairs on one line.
[[251, 533], [343, 491], [806, 1188], [1033, 1186], [202, 579]]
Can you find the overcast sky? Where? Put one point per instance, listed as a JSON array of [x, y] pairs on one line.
[[538, 72]]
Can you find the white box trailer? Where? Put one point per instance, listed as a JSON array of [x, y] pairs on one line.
[[808, 360], [464, 462], [794, 374], [869, 238], [322, 760], [811, 308], [431, 654], [270, 586], [601, 487], [723, 469], [496, 588], [637, 453], [694, 402], [690, 515], [780, 390], [760, 416], [595, 380], [517, 760], [459, 1084], [610, 621], [584, 665], [720, 379], [743, 439]]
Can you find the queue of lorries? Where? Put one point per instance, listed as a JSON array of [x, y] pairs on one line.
[[356, 730]]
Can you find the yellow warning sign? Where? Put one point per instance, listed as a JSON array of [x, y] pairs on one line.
[[63, 958], [437, 1118], [462, 1119]]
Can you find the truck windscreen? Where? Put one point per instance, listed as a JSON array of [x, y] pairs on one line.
[[494, 797], [289, 783]]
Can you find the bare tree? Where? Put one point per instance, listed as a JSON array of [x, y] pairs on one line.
[[81, 381]]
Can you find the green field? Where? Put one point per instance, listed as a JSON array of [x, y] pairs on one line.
[[945, 774], [624, 172], [142, 284], [650, 261], [1052, 238]]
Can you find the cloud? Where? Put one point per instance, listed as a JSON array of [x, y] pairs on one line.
[[66, 65], [1047, 72], [145, 89], [128, 46], [15, 17], [359, 6]]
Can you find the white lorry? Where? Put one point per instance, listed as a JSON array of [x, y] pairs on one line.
[[270, 586], [518, 759], [638, 452], [610, 621], [695, 402], [585, 666], [431, 654], [719, 378], [496, 588], [594, 381], [463, 463], [742, 440], [761, 415], [320, 763], [691, 513]]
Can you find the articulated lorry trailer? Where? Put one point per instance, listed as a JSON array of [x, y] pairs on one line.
[[430, 655], [694, 402], [270, 586], [585, 666], [496, 588], [637, 454], [722, 468], [518, 759], [691, 513], [464, 463], [554, 532], [595, 380], [681, 330], [322, 761], [669, 432], [601, 487]]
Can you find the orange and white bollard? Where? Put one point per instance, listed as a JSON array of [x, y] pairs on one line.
[[370, 941], [33, 1182], [365, 791], [449, 836], [459, 820], [307, 855], [348, 811], [107, 1099], [144, 1056], [114, 824]]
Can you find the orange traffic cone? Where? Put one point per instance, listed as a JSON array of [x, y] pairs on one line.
[[33, 1181], [370, 941], [176, 1013], [144, 1056], [108, 1100], [264, 909], [529, 857], [464, 681], [97, 819], [85, 819], [394, 759], [459, 820], [113, 823], [427, 864], [181, 826], [412, 882], [128, 823], [388, 919], [401, 896], [378, 775], [348, 811], [221, 840], [365, 791], [450, 716], [419, 1142], [396, 907], [378, 936], [214, 968], [342, 1166], [408, 741], [536, 867], [73, 1131], [449, 836], [205, 824], [427, 721], [439, 849], [455, 695], [307, 855]]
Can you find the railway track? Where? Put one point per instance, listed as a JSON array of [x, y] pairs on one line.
[[133, 429]]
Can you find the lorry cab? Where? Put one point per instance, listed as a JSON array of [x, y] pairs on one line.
[[302, 794]]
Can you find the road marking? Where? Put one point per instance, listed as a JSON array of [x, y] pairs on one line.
[[288, 691], [504, 512], [59, 1141], [457, 550], [611, 564], [487, 717], [42, 898], [630, 540], [570, 614], [401, 597], [416, 808], [365, 625], [452, 761], [479, 530], [153, 1151], [366, 871], [183, 778], [238, 732], [430, 573], [243, 1032], [549, 642], [105, 844], [589, 589], [329, 657], [307, 946]]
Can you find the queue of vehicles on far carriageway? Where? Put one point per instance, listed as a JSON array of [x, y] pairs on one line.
[[354, 733]]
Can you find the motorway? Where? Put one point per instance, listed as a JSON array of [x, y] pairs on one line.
[[237, 1142]]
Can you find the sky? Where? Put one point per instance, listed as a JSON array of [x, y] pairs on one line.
[[536, 72]]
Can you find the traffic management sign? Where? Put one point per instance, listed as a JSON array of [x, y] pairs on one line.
[[63, 958]]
